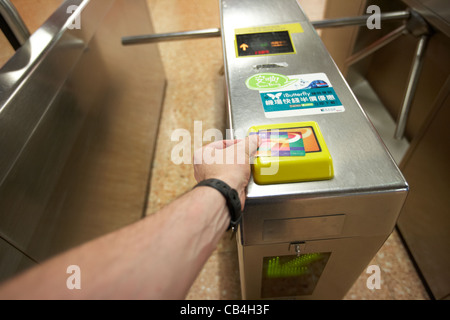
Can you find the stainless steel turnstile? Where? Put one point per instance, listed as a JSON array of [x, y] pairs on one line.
[[78, 127], [306, 240]]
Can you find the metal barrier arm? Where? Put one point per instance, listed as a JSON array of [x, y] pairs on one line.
[[378, 44], [215, 32], [416, 26], [184, 35], [411, 87], [360, 20], [13, 25]]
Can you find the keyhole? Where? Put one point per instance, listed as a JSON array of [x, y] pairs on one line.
[[297, 250]]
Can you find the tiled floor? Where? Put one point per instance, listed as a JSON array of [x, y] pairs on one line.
[[195, 92]]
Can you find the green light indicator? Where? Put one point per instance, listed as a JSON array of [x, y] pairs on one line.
[[293, 268]]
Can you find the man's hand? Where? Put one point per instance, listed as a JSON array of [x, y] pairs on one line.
[[227, 160]]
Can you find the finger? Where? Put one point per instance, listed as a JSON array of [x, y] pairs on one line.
[[253, 143], [229, 143], [214, 145], [246, 148], [222, 144]]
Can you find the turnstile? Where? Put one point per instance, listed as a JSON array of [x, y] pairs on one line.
[[77, 130], [309, 239]]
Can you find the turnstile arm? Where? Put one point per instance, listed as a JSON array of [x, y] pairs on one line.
[[14, 23]]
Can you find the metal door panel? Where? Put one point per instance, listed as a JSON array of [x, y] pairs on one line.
[[79, 118]]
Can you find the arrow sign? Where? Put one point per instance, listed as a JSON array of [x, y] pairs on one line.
[[244, 46]]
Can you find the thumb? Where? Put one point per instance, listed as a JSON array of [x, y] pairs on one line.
[[246, 148], [253, 142]]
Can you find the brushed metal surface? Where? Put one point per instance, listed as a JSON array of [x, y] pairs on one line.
[[363, 199], [372, 214], [79, 115], [18, 116], [306, 228], [12, 260], [424, 221], [361, 161], [341, 271]]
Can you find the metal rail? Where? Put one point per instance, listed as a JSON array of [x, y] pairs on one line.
[[380, 43], [413, 80], [359, 20], [215, 32], [184, 35], [14, 21]]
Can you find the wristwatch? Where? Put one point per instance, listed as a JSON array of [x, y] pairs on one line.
[[231, 197]]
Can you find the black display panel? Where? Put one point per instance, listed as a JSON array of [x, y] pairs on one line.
[[254, 44]]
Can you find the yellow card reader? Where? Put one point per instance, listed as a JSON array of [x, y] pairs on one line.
[[291, 152]]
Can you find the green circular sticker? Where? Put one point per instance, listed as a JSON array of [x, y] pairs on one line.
[[268, 81]]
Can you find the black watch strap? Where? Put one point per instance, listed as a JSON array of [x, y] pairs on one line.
[[231, 197]]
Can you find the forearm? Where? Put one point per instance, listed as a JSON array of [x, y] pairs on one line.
[[189, 238], [156, 258]]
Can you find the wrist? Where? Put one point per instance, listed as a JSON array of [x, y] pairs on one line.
[[236, 184], [231, 196]]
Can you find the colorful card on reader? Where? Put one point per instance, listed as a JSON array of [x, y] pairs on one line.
[[291, 152]]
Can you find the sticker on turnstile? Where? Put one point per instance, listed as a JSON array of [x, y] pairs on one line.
[[296, 95], [287, 142]]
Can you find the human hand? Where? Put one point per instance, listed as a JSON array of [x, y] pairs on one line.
[[227, 160]]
